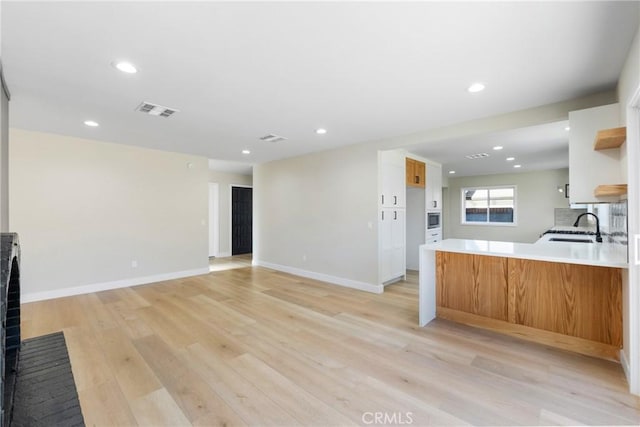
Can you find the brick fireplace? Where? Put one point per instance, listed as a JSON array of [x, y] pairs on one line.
[[10, 314]]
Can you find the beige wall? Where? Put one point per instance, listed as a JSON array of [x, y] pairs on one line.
[[318, 214], [416, 225], [536, 198], [225, 181], [85, 210]]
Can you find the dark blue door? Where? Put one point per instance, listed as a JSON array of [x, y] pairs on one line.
[[241, 220]]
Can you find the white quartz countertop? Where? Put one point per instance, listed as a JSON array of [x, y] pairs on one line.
[[598, 254]]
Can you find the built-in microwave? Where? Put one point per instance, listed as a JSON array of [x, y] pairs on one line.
[[433, 220]]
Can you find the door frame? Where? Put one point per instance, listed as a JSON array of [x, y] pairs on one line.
[[633, 225], [231, 214], [214, 219]]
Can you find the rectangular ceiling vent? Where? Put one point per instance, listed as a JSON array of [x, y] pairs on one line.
[[477, 156], [156, 110], [272, 138]]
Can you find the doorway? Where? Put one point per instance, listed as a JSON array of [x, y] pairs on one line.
[[214, 224], [241, 220]]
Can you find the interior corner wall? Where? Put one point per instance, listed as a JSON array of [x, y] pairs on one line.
[[536, 198], [317, 215], [93, 215], [416, 225], [225, 181], [4, 154], [446, 208]]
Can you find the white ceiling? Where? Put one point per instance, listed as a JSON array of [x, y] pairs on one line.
[[534, 148], [365, 71]]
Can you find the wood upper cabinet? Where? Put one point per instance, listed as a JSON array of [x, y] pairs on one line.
[[416, 173]]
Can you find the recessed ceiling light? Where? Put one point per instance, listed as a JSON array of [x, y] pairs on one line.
[[510, 159], [568, 128], [452, 172], [476, 87], [321, 131], [246, 152], [517, 166], [126, 67], [91, 123], [498, 147]]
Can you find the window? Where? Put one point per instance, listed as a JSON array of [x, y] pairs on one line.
[[489, 205]]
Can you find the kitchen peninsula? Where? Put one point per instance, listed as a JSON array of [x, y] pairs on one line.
[[562, 294]]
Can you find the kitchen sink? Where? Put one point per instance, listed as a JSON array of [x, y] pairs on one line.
[[566, 239]]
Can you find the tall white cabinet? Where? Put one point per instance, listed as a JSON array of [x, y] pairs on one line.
[[392, 210], [391, 215], [433, 200], [392, 176], [392, 244], [434, 186]]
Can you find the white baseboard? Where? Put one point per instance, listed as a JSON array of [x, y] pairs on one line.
[[625, 365], [105, 286], [223, 255], [348, 283]]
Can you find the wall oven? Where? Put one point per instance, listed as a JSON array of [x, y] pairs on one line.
[[433, 220]]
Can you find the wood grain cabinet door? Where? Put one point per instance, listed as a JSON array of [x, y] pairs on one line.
[[578, 300], [415, 173], [474, 284]]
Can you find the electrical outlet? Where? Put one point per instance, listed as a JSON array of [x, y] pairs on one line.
[[134, 264], [304, 257]]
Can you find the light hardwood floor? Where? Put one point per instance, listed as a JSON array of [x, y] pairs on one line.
[[227, 263], [251, 346]]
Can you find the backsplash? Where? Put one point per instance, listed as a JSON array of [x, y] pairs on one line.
[[613, 220], [566, 216], [618, 223]]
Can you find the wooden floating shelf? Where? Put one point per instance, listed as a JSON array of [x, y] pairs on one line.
[[610, 138], [610, 190]]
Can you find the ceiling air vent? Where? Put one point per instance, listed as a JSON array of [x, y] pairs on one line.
[[477, 156], [156, 110], [272, 138]]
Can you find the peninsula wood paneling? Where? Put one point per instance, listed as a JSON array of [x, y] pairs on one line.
[[474, 284], [554, 339], [577, 300]]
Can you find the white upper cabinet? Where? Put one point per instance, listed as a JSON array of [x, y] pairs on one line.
[[590, 168], [434, 186], [392, 179]]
